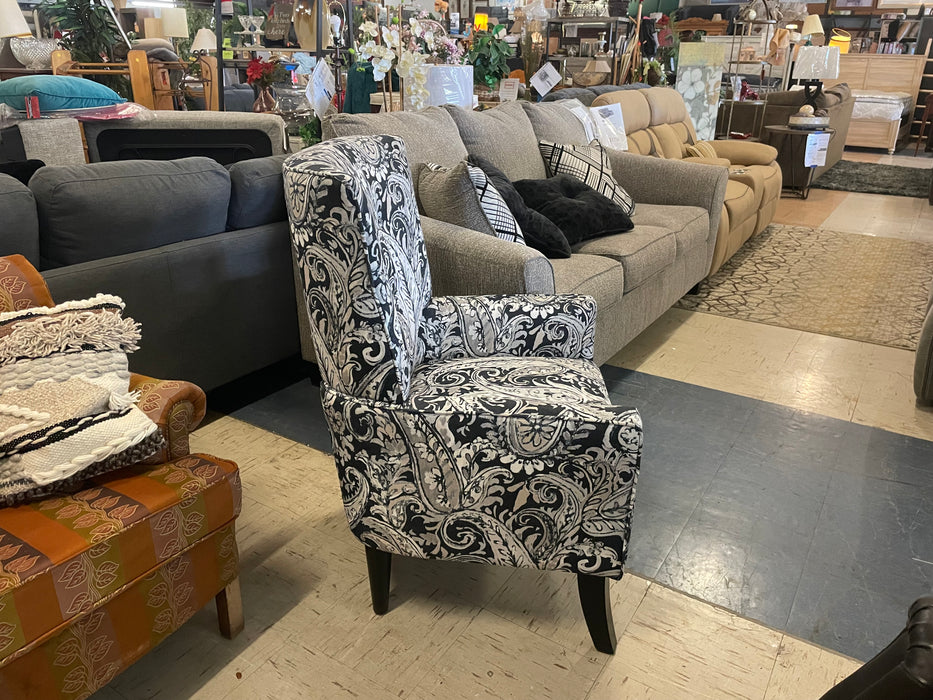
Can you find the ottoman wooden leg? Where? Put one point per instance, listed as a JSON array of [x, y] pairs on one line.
[[230, 610]]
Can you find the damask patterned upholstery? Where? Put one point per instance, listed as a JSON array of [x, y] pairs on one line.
[[468, 428]]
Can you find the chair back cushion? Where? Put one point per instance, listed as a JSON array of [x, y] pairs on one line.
[[361, 260]]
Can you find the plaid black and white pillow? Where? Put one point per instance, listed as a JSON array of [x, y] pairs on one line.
[[495, 208], [589, 164], [500, 217]]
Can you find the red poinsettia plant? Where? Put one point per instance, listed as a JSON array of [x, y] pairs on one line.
[[264, 73]]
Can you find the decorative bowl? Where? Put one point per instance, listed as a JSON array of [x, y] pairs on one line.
[[798, 122], [33, 53]]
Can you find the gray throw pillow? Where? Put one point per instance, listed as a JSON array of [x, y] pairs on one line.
[[448, 194]]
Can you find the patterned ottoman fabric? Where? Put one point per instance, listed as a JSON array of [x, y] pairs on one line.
[[63, 556], [74, 661]]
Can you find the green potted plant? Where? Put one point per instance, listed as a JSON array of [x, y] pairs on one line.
[[488, 54]]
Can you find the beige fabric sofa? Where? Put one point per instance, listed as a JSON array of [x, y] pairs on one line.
[[657, 124], [634, 277]]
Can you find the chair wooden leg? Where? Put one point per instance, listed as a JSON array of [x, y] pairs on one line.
[[379, 564], [597, 611], [230, 609]]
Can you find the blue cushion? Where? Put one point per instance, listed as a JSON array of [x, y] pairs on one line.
[[57, 92]]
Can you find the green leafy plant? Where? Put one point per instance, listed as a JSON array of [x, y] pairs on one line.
[[488, 54], [89, 33], [310, 132], [87, 28]]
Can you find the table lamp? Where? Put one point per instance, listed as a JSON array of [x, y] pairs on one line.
[[811, 26], [12, 22], [815, 64], [204, 42], [480, 22], [175, 23]]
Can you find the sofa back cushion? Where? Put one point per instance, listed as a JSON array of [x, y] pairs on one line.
[[504, 136], [670, 123], [98, 210], [430, 135], [20, 225], [257, 194], [553, 122], [636, 115]]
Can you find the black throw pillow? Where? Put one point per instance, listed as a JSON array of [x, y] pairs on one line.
[[22, 170], [540, 233], [576, 208]]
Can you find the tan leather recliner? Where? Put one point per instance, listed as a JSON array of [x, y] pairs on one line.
[[657, 124]]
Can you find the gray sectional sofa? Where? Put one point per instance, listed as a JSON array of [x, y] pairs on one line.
[[200, 254], [634, 277]]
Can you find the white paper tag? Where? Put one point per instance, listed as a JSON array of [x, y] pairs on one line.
[[817, 146], [508, 89], [321, 89], [454, 22], [610, 128], [545, 79]]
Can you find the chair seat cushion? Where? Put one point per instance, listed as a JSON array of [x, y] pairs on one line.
[[65, 555], [506, 385]]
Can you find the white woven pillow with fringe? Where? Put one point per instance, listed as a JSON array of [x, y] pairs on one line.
[[66, 411]]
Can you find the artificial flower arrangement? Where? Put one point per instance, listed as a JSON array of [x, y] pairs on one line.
[[410, 48], [264, 73]]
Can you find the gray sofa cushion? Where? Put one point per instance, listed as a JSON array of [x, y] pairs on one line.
[[430, 135], [94, 211], [20, 225], [211, 309], [600, 277], [504, 136], [644, 251], [689, 224], [554, 122], [257, 192], [448, 194]]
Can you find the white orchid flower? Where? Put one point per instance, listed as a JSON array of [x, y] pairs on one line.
[[390, 37], [369, 29]]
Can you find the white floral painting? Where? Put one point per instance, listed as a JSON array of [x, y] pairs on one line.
[[699, 74]]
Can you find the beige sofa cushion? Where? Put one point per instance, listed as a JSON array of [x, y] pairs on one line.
[[669, 142], [430, 135], [601, 278], [550, 123], [644, 251], [504, 136]]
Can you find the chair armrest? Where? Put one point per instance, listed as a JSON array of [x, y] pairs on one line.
[[464, 261], [560, 325], [176, 407], [707, 161], [745, 152], [665, 181]]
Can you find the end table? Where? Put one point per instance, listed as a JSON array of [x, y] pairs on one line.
[[794, 143]]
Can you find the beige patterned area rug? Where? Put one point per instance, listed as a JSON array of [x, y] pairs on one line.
[[865, 288]]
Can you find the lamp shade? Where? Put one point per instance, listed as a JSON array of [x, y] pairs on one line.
[[817, 63], [175, 22], [12, 22], [812, 25], [480, 22], [204, 40], [597, 67]]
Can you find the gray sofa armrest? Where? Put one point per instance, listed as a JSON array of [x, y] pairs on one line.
[[665, 181], [465, 262]]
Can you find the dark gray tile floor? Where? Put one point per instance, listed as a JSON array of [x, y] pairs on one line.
[[812, 525]]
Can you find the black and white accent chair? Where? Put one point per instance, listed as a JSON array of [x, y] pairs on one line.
[[474, 428]]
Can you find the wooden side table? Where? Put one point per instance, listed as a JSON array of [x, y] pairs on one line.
[[795, 141]]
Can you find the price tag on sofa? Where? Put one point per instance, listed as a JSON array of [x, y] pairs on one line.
[[817, 146], [545, 79]]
